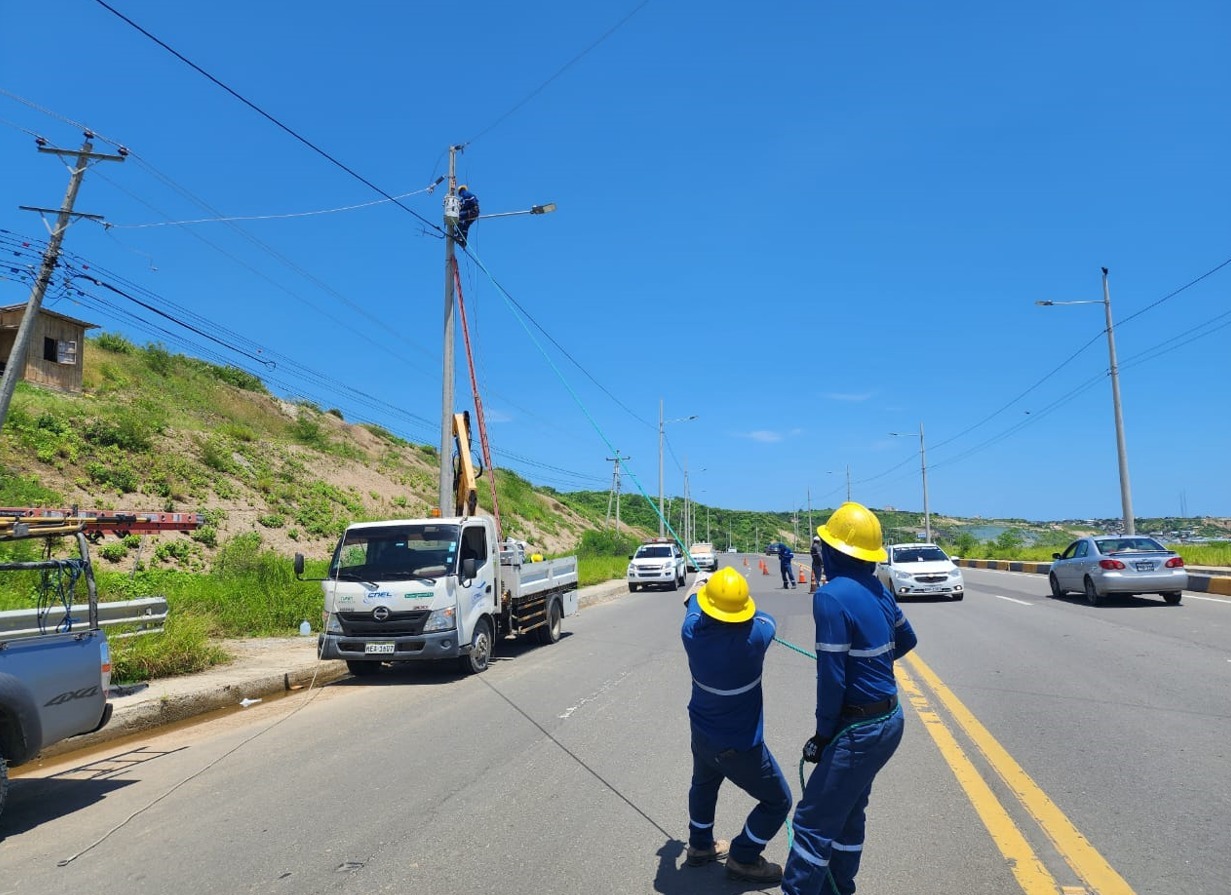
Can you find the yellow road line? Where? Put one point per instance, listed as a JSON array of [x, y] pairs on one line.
[[1077, 851], [1031, 875]]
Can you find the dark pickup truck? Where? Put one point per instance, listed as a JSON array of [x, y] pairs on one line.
[[55, 665]]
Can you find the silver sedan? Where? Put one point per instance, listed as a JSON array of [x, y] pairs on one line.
[[1118, 564]]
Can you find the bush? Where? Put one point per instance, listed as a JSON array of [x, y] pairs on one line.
[[158, 358], [185, 647], [114, 551], [114, 343]]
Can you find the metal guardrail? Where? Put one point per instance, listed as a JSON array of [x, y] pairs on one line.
[[147, 615]]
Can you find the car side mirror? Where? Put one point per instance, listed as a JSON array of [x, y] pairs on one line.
[[954, 558], [1055, 556]]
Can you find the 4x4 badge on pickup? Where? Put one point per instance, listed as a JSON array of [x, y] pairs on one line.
[[70, 695]]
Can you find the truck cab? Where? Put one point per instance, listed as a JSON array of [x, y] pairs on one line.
[[414, 590]]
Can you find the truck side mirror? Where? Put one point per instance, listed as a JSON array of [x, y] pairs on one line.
[[298, 564], [469, 567]]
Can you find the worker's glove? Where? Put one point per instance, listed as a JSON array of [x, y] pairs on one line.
[[814, 747]]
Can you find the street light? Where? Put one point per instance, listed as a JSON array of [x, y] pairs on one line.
[[923, 465], [548, 208], [1126, 494], [661, 423]]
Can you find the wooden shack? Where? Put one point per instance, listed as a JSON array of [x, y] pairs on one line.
[[56, 345]]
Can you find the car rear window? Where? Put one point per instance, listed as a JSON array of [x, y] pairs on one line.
[[1129, 545]]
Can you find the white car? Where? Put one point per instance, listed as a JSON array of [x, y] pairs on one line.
[[659, 562], [920, 570]]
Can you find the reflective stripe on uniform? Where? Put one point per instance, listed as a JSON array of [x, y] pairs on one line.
[[735, 692], [814, 860], [874, 651], [700, 826], [839, 846], [832, 647], [757, 839]]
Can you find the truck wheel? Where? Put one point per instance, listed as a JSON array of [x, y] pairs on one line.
[[363, 669], [675, 582], [632, 588], [476, 661], [550, 632], [1093, 597]]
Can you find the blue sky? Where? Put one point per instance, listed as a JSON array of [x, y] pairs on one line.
[[809, 225]]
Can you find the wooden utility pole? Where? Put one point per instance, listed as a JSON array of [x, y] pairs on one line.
[[16, 366]]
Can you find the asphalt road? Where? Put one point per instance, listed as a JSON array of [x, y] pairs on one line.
[[1050, 746]]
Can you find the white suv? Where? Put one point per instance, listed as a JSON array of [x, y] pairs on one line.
[[660, 562]]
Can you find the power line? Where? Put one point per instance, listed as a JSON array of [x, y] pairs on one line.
[[606, 34], [268, 117]]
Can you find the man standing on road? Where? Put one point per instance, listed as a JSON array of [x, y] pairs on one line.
[[725, 638], [860, 631], [784, 563], [818, 563]]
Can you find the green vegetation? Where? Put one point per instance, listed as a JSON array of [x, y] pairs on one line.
[[155, 430]]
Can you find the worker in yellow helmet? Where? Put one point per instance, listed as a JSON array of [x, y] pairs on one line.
[[468, 213], [726, 637], [860, 631]]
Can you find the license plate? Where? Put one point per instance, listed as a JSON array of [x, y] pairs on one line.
[[378, 648], [932, 590], [1145, 567]]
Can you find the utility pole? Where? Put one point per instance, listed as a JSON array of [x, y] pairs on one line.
[[848, 483], [615, 487], [923, 463], [452, 215], [1126, 494], [16, 366]]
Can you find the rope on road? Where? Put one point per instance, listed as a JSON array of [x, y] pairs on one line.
[[103, 838]]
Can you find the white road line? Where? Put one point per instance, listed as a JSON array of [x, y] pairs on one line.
[[1013, 600], [597, 693], [1188, 596]]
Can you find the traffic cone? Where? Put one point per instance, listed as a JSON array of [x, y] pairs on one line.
[[764, 568], [803, 579]]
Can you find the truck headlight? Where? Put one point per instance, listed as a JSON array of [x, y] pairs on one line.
[[440, 620]]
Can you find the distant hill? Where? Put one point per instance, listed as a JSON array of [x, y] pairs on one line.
[[154, 430]]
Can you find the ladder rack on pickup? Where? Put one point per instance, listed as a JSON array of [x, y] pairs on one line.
[[35, 521]]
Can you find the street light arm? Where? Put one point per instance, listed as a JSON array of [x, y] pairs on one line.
[[1088, 301], [548, 208]]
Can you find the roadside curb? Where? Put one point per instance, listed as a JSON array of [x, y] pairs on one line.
[[172, 709], [154, 711]]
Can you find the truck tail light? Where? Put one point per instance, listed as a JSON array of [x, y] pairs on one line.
[[1176, 562], [1110, 564]]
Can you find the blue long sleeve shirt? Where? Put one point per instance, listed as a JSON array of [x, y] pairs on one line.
[[860, 632], [726, 660]]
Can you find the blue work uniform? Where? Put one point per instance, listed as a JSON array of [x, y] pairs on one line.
[[726, 713], [818, 564], [860, 631], [468, 213], [784, 564]]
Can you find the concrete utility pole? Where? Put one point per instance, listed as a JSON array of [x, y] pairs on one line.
[[452, 215], [615, 487], [1126, 493], [16, 366]]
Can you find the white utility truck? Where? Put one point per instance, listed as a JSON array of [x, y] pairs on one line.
[[415, 590]]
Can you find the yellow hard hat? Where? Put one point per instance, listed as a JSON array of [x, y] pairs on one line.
[[725, 597], [853, 529], [462, 187]]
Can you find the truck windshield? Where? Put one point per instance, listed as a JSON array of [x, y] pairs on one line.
[[396, 553]]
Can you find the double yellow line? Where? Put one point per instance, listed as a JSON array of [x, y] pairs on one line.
[[1091, 867]]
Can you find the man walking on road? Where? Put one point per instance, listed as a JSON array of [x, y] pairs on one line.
[[725, 638], [860, 631], [785, 555]]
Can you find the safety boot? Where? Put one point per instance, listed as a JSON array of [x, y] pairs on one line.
[[716, 852], [762, 871]]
